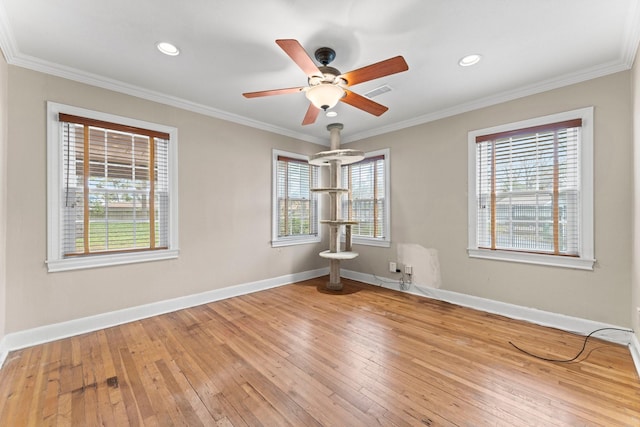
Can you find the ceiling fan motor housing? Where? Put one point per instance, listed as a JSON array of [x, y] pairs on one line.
[[329, 75], [325, 55]]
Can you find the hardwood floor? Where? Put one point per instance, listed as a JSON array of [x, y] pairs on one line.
[[298, 355]]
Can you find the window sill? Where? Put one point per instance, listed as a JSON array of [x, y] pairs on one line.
[[538, 259], [294, 241], [369, 242], [82, 262]]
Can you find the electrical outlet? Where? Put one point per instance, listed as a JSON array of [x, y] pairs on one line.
[[408, 269], [393, 266]]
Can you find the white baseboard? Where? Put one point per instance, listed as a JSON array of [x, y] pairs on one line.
[[532, 315], [56, 331], [634, 348], [43, 334]]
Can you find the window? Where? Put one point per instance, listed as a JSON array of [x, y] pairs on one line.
[[112, 189], [368, 198], [531, 191], [295, 206]]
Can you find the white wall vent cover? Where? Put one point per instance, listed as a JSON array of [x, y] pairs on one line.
[[378, 91]]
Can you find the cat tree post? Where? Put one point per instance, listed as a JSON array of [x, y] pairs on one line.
[[334, 159]]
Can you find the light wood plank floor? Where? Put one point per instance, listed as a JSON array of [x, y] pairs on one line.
[[301, 356]]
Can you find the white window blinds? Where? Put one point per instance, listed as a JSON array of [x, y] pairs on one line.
[[115, 194], [366, 199], [297, 206], [528, 189]]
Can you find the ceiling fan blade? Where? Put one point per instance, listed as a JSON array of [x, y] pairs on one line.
[[299, 56], [271, 92], [387, 67], [363, 103], [311, 116]]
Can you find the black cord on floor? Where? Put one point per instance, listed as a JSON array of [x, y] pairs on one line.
[[584, 346]]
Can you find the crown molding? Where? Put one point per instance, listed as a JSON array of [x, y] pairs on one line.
[[46, 67], [499, 98], [631, 39], [625, 62], [7, 42]]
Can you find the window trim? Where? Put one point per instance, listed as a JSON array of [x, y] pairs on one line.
[[585, 260], [55, 157], [384, 242], [277, 241]]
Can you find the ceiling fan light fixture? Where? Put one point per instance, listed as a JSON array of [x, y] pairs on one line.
[[469, 60], [327, 85], [168, 48], [325, 95]]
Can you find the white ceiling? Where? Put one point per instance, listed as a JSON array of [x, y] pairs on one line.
[[228, 47]]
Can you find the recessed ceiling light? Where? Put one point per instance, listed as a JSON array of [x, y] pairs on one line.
[[469, 60], [331, 113], [168, 49]]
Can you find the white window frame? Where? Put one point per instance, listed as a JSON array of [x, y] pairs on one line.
[[385, 241], [585, 260], [280, 241], [55, 162]]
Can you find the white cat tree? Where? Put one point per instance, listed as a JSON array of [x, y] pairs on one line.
[[334, 159]]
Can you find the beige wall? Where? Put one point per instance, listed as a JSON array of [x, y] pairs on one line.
[[225, 216], [3, 189], [224, 209], [429, 205], [635, 272]]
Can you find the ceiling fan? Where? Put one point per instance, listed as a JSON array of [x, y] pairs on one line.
[[327, 85]]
